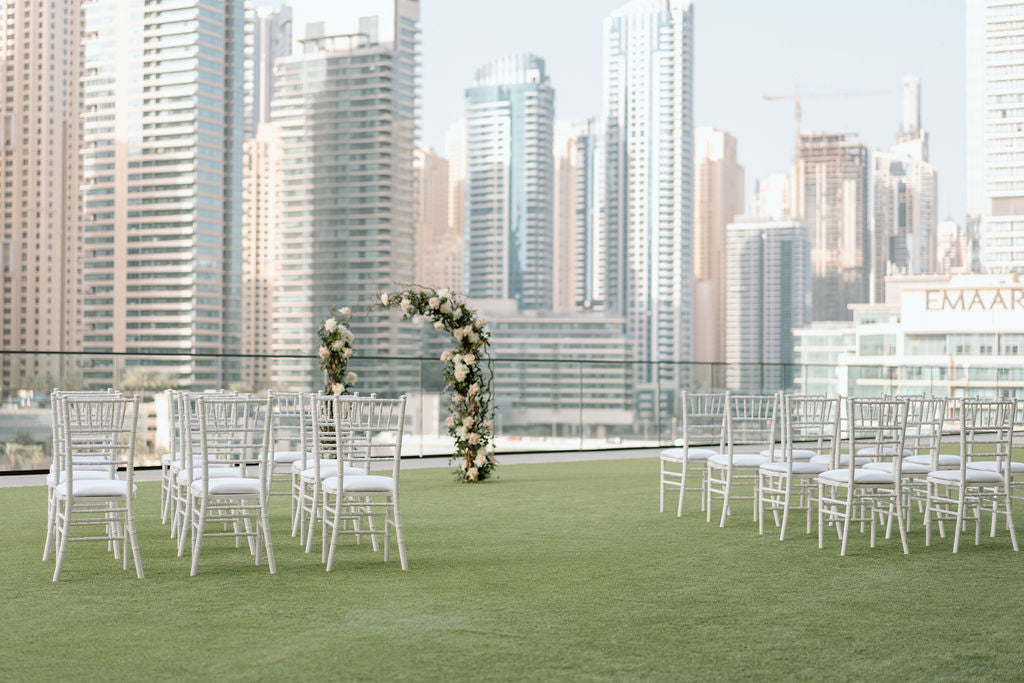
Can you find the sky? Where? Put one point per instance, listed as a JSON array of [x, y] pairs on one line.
[[743, 49]]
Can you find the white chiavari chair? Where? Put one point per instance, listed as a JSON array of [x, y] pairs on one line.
[[703, 435], [234, 433], [850, 493], [749, 423], [98, 430], [963, 494], [291, 451], [810, 425], [56, 474], [370, 432]]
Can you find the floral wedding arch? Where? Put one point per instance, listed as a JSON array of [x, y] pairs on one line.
[[335, 350], [468, 374]]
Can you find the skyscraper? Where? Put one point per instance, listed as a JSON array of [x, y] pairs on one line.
[[832, 198], [509, 169], [575, 217], [773, 196], [455, 150], [40, 130], [163, 129], [905, 188], [769, 296], [438, 245], [995, 132], [262, 172], [718, 198], [268, 37], [647, 207], [346, 111]]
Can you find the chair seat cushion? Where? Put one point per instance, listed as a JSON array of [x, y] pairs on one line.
[[362, 483], [885, 450], [798, 453], [986, 465], [971, 476], [799, 467], [738, 459], [844, 460], [678, 453], [907, 468], [842, 476], [290, 456], [95, 488], [84, 475], [229, 487], [168, 458], [328, 469], [215, 473], [945, 460]]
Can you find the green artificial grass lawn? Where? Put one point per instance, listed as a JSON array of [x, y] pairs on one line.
[[552, 572]]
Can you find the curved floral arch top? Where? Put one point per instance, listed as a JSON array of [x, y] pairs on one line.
[[468, 374]]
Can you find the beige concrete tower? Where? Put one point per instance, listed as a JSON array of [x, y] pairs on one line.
[[261, 157], [455, 150], [718, 198], [438, 244], [40, 166]]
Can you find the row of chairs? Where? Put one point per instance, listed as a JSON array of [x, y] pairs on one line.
[[218, 478], [855, 460]]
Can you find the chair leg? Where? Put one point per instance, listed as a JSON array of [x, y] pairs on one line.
[[197, 542], [402, 558], [959, 517], [65, 531], [313, 506], [785, 507], [900, 521], [682, 489], [821, 515], [133, 538], [334, 530], [846, 521], [51, 513], [725, 499], [268, 543], [661, 486]]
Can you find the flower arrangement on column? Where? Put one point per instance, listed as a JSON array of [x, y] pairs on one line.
[[335, 350], [468, 373]]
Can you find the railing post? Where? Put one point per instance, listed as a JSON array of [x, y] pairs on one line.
[[580, 363], [219, 382], [421, 414]]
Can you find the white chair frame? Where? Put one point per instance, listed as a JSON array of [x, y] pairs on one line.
[[750, 421], [703, 426]]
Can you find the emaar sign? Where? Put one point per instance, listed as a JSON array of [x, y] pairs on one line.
[[974, 299]]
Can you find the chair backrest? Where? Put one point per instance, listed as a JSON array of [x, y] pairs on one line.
[[187, 416], [292, 422], [750, 421], [234, 431], [57, 421], [810, 422], [370, 431], [99, 432], [878, 423], [704, 419], [926, 418], [986, 430]]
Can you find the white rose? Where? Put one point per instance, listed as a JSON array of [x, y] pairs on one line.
[[460, 373], [446, 356], [347, 353], [444, 293], [346, 312], [337, 388], [474, 438], [439, 325], [474, 388], [406, 305], [330, 324], [347, 334], [460, 432], [458, 398], [468, 421], [351, 377], [434, 302], [446, 308], [324, 352], [472, 473], [480, 460], [450, 421], [338, 345], [481, 321], [469, 359], [384, 298], [489, 426]]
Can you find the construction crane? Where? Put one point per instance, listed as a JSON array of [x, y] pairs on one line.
[[797, 96]]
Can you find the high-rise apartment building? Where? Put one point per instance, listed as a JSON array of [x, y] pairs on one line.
[[261, 161], [162, 140], [773, 196], [455, 150], [509, 173], [268, 36], [905, 188], [40, 130], [769, 279], [438, 245], [576, 257], [647, 207], [346, 111], [995, 132], [951, 247], [831, 196], [718, 198]]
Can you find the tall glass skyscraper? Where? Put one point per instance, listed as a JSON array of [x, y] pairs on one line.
[[647, 213], [345, 108], [509, 175]]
